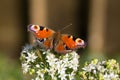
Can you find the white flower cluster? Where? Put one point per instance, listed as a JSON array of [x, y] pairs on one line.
[[105, 70], [30, 58], [45, 65], [63, 64]]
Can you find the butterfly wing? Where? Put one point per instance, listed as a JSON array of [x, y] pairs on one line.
[[43, 35], [67, 43], [49, 39]]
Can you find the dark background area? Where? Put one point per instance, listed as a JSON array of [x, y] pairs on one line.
[[96, 22]]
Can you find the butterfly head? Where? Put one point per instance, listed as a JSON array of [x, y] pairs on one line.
[[80, 43], [34, 28]]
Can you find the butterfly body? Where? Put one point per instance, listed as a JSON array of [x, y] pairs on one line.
[[49, 39]]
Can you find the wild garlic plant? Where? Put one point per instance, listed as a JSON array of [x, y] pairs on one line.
[[100, 70], [44, 64], [48, 65]]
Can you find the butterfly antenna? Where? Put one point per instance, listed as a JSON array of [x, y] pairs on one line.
[[66, 27]]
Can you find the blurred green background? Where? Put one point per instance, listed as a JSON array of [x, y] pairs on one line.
[[95, 21]]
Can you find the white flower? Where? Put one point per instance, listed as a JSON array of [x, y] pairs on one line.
[[94, 71], [31, 57], [65, 59], [110, 76], [74, 64], [106, 77], [51, 72], [25, 67], [71, 60], [100, 68], [61, 69], [51, 58], [63, 76], [40, 73], [89, 67], [38, 78], [71, 76], [113, 76], [37, 65]]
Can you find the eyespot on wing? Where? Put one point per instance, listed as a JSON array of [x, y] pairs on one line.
[[40, 31]]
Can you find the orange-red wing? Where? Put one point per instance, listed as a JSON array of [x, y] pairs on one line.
[[61, 48], [48, 44], [69, 42], [40, 32], [45, 33]]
